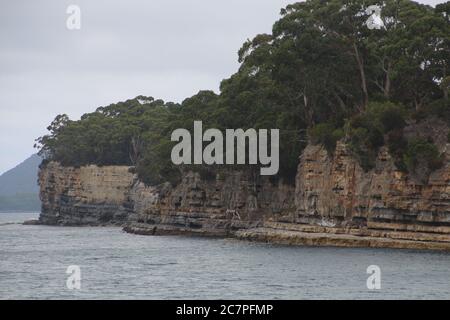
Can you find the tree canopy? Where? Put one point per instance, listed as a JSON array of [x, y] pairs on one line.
[[322, 70]]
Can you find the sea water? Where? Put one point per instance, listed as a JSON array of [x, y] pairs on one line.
[[34, 261]]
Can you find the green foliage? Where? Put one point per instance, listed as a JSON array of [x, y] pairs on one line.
[[366, 131], [439, 108], [387, 116], [327, 135], [422, 155], [155, 166], [398, 146], [320, 66], [365, 143]]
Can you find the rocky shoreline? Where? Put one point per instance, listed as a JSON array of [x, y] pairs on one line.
[[333, 203], [294, 235], [320, 237], [351, 239]]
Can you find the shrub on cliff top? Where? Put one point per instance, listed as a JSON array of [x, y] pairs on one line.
[[398, 145], [364, 143], [422, 157], [439, 108], [387, 116], [365, 131], [327, 135]]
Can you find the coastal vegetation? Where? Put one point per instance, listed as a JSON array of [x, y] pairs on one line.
[[323, 75]]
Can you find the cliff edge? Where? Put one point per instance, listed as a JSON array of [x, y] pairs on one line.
[[88, 195], [334, 203]]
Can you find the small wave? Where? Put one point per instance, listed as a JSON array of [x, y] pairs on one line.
[[9, 223], [160, 264]]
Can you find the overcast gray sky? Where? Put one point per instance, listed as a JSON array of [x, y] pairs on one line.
[[168, 49]]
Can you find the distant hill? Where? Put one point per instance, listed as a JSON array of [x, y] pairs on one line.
[[19, 190]]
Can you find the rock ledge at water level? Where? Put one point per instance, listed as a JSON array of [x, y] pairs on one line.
[[333, 203]]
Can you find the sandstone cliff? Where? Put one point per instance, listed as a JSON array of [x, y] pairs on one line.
[[339, 204], [334, 202], [336, 191], [83, 196], [231, 201], [97, 195]]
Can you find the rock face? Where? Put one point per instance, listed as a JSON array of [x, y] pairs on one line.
[[84, 196], [231, 201], [98, 195], [338, 204], [333, 203], [335, 191]]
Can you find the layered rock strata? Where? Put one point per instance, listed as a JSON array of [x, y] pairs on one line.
[[334, 203], [84, 196]]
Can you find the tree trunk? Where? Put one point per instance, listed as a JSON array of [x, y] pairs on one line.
[[309, 113], [446, 83], [387, 84], [363, 76]]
